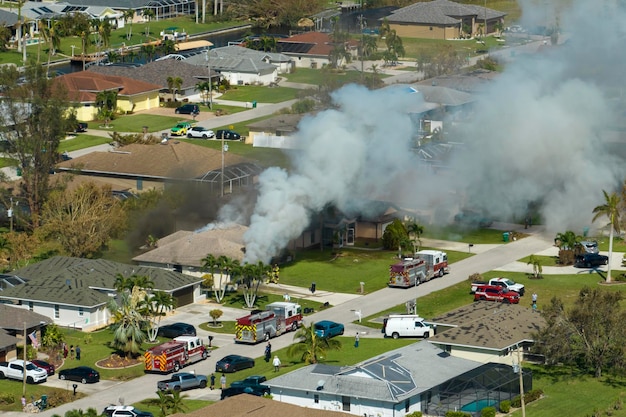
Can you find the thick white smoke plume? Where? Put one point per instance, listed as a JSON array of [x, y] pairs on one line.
[[537, 135]]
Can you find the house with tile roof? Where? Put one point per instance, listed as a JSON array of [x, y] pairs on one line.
[[83, 88], [138, 167], [444, 19], [73, 292], [486, 332], [418, 377], [15, 322], [248, 405], [312, 49], [275, 132]]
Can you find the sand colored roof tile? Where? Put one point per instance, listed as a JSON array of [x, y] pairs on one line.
[[322, 42], [84, 85]]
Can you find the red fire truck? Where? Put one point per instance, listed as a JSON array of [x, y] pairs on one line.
[[437, 262], [175, 354], [278, 318], [408, 273]]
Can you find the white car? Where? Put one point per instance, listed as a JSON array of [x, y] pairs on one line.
[[200, 132]]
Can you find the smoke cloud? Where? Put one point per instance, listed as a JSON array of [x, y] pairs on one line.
[[538, 134]]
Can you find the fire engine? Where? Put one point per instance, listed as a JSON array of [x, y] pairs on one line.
[[408, 273], [436, 261], [175, 354], [278, 318]]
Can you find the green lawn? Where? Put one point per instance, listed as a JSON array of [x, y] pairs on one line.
[[81, 141], [260, 93], [320, 77], [266, 157], [467, 235], [136, 122], [545, 260]]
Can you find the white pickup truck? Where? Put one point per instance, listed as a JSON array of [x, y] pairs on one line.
[[505, 283], [15, 370]]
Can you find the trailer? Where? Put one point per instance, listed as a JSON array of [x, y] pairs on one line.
[[410, 272]]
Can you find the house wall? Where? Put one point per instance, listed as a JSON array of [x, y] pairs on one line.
[[314, 61], [240, 78], [478, 355], [71, 316], [333, 402], [138, 102], [267, 140], [426, 31]]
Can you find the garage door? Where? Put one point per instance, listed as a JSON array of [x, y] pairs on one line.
[[183, 297]]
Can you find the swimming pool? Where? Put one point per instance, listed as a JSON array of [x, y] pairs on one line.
[[478, 405]]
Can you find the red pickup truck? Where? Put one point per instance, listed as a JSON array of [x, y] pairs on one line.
[[495, 293]]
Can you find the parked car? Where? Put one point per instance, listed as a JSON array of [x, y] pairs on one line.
[[233, 363], [48, 367], [590, 260], [182, 381], [188, 109], [180, 129], [472, 218], [200, 132], [176, 329], [83, 374], [227, 134], [250, 385], [125, 411], [327, 329], [496, 293], [81, 127], [590, 246], [15, 370]]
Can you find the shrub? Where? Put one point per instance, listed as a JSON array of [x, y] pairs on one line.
[[415, 414], [488, 412], [529, 397], [505, 406], [516, 402], [7, 399], [457, 414]]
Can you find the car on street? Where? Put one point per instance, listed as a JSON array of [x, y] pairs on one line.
[[83, 374], [48, 367], [227, 134], [590, 246], [590, 260], [176, 329], [188, 109], [233, 363], [180, 129], [125, 411], [200, 132], [327, 329]]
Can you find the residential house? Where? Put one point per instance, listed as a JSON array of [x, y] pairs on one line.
[[312, 49], [139, 167], [444, 19], [275, 132], [132, 95], [241, 66], [162, 9], [487, 332], [416, 378], [473, 82], [157, 72], [248, 405], [73, 292], [40, 14], [15, 325]]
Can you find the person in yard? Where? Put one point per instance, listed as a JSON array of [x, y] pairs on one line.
[[268, 352], [212, 380], [223, 381], [534, 299], [276, 363], [77, 352], [356, 340]]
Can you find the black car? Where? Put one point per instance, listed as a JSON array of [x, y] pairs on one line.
[[82, 374], [176, 329], [236, 390], [233, 363], [472, 218], [227, 134], [590, 260], [188, 109], [81, 127]]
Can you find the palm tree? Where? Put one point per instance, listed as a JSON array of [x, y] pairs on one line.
[[310, 347], [610, 209], [203, 87], [369, 46], [178, 83], [129, 15], [415, 230], [535, 261], [155, 306], [128, 322], [148, 14], [148, 51]]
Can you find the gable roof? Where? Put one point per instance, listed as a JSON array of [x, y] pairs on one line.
[[171, 160], [443, 95], [389, 377], [189, 248], [238, 59], [156, 72], [7, 18], [85, 282], [488, 325], [6, 340], [312, 43], [84, 86], [476, 81], [246, 405], [441, 12], [283, 123], [14, 318]]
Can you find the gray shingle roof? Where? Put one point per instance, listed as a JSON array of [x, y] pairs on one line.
[[7, 18], [13, 318], [76, 281], [6, 340], [238, 59], [440, 12], [421, 365], [488, 325], [282, 123], [443, 95]]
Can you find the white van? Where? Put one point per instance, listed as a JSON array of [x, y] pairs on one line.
[[406, 325]]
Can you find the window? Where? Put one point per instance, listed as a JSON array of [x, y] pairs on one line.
[[56, 311], [345, 401], [31, 306], [80, 311], [316, 399]]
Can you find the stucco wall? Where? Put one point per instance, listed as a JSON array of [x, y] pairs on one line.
[[426, 31]]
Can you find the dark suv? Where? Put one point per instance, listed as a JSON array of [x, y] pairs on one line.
[[589, 260], [188, 109], [176, 329], [227, 134]]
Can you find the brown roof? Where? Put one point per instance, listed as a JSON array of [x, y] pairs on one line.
[[157, 72], [83, 86], [174, 159], [322, 42], [246, 405], [189, 248], [488, 325]]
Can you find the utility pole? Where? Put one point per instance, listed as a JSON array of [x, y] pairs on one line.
[[362, 43], [224, 150], [24, 364], [10, 213], [521, 380]]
